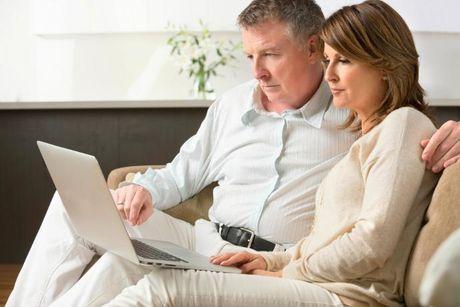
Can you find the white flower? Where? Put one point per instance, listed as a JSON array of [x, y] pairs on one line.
[[200, 55]]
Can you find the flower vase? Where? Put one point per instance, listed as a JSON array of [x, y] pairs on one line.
[[203, 90]]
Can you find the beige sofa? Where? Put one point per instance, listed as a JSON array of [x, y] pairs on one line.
[[441, 219]]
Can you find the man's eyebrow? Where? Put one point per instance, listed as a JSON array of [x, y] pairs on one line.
[[263, 50], [274, 48]]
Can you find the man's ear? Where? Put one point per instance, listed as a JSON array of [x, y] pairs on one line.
[[314, 48]]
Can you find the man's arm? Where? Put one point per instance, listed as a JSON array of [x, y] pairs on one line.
[[187, 174], [443, 148], [190, 170]]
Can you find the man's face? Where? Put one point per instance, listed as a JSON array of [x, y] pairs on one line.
[[282, 67]]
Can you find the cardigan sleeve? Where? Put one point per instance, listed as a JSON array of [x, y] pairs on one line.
[[276, 261], [393, 174]]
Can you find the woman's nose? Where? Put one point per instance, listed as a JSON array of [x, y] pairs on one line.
[[330, 75]]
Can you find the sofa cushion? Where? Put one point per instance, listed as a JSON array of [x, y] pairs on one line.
[[441, 219]]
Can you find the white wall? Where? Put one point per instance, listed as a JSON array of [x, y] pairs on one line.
[[420, 15], [17, 73], [96, 16], [74, 50], [118, 66]]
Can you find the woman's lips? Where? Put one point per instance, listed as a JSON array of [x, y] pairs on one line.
[[336, 91]]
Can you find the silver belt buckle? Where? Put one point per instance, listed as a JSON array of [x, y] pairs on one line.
[[251, 239], [220, 229]]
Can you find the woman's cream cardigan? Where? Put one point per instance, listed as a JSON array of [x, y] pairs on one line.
[[369, 210]]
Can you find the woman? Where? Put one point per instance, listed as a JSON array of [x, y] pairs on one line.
[[370, 206]]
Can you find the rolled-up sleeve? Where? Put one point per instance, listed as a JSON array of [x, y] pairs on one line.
[[189, 172]]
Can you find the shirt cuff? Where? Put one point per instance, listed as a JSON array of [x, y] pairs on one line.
[[147, 180]]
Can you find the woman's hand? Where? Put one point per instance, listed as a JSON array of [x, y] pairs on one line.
[[245, 261]]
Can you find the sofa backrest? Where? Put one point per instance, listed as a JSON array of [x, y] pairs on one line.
[[441, 219], [195, 207]]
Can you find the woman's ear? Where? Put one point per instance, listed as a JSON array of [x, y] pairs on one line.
[[384, 75]]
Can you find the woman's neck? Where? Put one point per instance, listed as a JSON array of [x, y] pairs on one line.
[[367, 121]]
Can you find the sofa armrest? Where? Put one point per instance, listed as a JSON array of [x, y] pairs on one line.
[[189, 210]]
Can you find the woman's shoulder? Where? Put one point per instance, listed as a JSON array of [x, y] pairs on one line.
[[408, 116], [402, 127]]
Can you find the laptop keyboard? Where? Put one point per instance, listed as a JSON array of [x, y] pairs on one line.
[[150, 252]]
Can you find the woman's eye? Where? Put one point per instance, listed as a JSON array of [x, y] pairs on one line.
[[325, 62], [344, 60]]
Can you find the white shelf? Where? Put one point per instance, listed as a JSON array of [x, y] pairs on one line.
[[125, 104], [105, 104]]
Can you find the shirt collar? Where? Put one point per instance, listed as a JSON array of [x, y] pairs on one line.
[[312, 111], [253, 104]]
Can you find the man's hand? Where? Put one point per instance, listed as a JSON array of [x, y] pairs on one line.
[[246, 262], [443, 149], [134, 203]]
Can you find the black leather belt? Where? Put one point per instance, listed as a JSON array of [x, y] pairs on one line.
[[244, 237]]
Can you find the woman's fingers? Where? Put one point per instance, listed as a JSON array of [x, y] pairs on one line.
[[237, 259], [243, 260], [217, 259], [255, 264], [247, 262]]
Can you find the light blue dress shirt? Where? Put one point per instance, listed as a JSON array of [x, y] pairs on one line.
[[268, 165]]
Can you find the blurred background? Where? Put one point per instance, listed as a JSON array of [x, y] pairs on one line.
[[116, 49]]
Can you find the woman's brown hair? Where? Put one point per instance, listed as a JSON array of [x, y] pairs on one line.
[[374, 33]]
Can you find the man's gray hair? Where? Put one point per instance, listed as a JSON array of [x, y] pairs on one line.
[[302, 17]]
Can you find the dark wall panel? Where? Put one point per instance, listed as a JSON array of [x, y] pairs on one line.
[[116, 137]]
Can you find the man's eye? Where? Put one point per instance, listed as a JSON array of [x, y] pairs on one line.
[[269, 54], [249, 57]]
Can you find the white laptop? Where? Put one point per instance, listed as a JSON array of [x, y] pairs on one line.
[[91, 209]]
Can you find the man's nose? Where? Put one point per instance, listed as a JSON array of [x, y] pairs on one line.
[[259, 70]]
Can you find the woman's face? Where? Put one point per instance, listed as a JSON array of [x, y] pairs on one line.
[[354, 85]]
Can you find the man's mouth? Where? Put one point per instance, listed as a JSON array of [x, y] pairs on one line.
[[269, 85]]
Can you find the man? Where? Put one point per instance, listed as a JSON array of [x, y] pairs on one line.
[[268, 143]]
